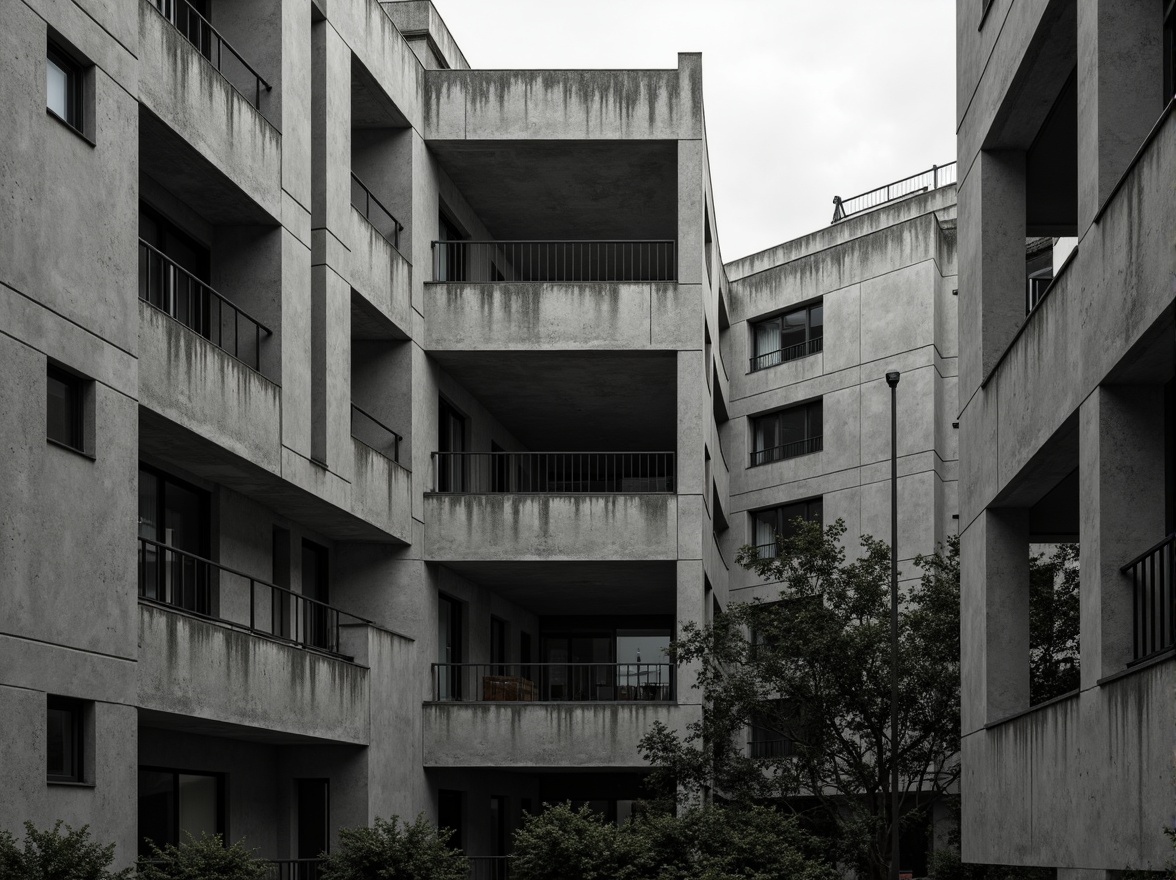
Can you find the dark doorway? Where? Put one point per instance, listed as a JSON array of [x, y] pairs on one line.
[[317, 617], [451, 459], [449, 815], [174, 542], [449, 652], [314, 823]]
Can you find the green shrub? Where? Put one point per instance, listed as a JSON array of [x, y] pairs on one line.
[[203, 858], [560, 843], [54, 855], [394, 849]]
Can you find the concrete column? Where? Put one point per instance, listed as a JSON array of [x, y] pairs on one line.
[[994, 616], [992, 261], [1120, 92], [1121, 467]]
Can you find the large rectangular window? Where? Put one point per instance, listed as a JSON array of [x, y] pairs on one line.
[[64, 396], [176, 803], [787, 337], [64, 740], [781, 521], [786, 433]]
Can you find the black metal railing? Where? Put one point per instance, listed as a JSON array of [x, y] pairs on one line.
[[178, 293], [788, 450], [373, 433], [294, 869], [553, 682], [553, 473], [935, 177], [554, 261], [790, 353], [489, 867], [1153, 576], [178, 579], [769, 748], [216, 49], [374, 212]]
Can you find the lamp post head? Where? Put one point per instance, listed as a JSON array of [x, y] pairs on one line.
[[892, 378]]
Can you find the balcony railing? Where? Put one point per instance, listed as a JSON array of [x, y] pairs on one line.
[[788, 450], [769, 748], [374, 434], [553, 473], [489, 867], [937, 176], [791, 353], [294, 869], [177, 579], [553, 682], [1153, 575], [216, 49], [374, 212], [554, 261], [178, 293]]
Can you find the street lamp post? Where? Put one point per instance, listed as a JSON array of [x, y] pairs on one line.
[[892, 378]]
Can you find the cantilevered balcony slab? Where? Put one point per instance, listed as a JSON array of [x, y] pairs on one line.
[[207, 672], [190, 381], [182, 90], [381, 492], [382, 277], [537, 735], [551, 527]]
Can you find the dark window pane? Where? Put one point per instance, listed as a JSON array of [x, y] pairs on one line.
[[792, 429], [157, 808], [793, 331], [63, 408], [816, 321], [815, 418], [199, 802], [63, 731], [767, 338]]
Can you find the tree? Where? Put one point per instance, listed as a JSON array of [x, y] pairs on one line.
[[394, 849], [708, 843], [814, 668], [54, 855], [203, 858], [1053, 623]]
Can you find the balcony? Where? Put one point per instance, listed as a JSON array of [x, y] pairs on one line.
[[1153, 578], [553, 682], [554, 262], [553, 473], [177, 580], [374, 434], [373, 211], [783, 355]]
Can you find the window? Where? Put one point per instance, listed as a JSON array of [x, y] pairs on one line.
[[63, 87], [1169, 50], [64, 402], [451, 462], [774, 730], [175, 803], [780, 521], [64, 735], [173, 542], [1039, 270], [789, 336], [786, 433], [174, 272]]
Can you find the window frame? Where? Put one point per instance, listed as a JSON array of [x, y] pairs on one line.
[[809, 444], [76, 710], [75, 386], [811, 344], [75, 115], [815, 503], [222, 800]]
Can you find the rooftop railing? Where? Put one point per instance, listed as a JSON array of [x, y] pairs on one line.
[[208, 42], [487, 262], [789, 353], [374, 434], [374, 212], [1153, 576], [553, 682], [553, 473], [178, 293], [181, 580], [935, 177], [787, 450]]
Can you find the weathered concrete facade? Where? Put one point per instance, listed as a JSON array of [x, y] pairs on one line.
[[1066, 131], [425, 386]]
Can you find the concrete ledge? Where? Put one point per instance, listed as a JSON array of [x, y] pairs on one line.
[[505, 317], [178, 85], [381, 492], [550, 527], [191, 382], [206, 671], [598, 735]]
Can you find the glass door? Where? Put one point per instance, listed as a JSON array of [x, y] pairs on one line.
[[173, 518], [448, 649]]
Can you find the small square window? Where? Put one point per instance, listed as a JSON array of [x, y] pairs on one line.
[[63, 87], [64, 740], [63, 405]]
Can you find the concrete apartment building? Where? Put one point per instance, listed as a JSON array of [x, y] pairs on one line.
[[1067, 135], [373, 422]]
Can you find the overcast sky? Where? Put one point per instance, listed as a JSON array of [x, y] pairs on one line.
[[805, 99]]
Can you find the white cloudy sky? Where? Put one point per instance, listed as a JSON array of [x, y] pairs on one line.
[[805, 99]]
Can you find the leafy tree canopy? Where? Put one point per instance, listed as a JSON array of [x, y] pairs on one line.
[[394, 849], [54, 854]]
